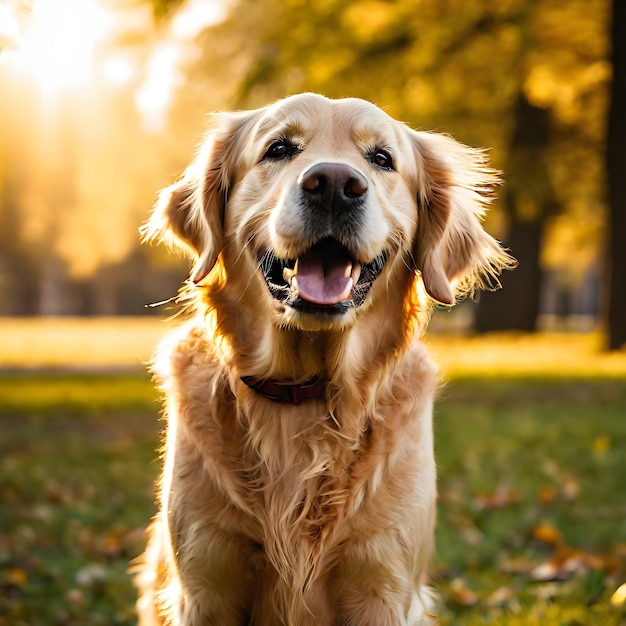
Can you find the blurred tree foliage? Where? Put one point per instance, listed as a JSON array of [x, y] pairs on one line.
[[78, 175], [529, 79], [162, 9]]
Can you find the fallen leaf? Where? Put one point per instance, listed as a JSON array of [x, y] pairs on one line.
[[17, 577], [547, 591], [472, 536], [517, 565], [75, 596], [601, 445], [619, 596], [570, 488], [498, 500], [566, 562], [547, 495], [461, 594], [90, 574], [502, 596], [110, 546], [620, 550], [548, 534]]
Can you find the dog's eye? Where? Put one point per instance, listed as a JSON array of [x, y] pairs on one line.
[[381, 158], [279, 150]]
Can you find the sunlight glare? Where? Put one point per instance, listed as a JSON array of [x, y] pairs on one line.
[[59, 46], [10, 35], [164, 73], [197, 15], [118, 70], [154, 96]]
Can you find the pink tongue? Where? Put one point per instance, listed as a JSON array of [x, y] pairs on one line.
[[323, 275]]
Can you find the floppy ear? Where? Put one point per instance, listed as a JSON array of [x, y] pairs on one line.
[[455, 185], [189, 214]]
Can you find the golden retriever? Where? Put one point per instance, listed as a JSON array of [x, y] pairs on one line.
[[298, 485]]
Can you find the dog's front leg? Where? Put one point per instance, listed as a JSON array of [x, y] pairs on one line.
[[180, 586], [378, 587], [214, 589], [212, 568], [380, 576]]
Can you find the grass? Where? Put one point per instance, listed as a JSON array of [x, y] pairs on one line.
[[532, 515], [76, 394], [531, 449], [75, 494]]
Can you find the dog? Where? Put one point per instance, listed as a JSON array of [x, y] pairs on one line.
[[299, 484]]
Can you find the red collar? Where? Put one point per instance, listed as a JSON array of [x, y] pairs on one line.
[[287, 392]]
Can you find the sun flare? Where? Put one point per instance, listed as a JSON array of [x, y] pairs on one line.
[[71, 45], [59, 43]]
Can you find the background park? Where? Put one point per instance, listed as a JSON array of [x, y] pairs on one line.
[[102, 103]]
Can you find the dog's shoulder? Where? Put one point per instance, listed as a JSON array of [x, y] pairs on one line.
[[184, 352], [409, 389], [419, 363]]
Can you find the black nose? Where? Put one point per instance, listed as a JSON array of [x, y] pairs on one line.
[[334, 186]]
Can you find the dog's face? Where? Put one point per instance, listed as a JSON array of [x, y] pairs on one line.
[[324, 203], [315, 206]]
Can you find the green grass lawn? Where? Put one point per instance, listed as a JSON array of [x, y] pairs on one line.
[[532, 480], [532, 515], [77, 468]]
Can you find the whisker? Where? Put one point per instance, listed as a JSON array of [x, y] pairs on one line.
[[154, 305]]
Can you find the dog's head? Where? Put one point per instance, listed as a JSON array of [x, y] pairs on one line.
[[314, 206]]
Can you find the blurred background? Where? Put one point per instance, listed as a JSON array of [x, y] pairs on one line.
[[104, 102]]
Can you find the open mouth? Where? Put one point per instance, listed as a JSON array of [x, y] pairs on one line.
[[326, 278]]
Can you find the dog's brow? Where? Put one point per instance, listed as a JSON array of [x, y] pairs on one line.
[[368, 134], [272, 128]]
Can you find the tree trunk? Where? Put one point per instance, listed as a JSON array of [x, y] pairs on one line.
[[52, 287], [516, 305], [19, 263], [529, 200], [616, 172]]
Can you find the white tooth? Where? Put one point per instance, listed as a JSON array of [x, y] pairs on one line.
[[294, 283], [288, 274], [356, 272]]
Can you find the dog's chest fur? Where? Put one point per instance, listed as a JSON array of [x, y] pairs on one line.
[[294, 478]]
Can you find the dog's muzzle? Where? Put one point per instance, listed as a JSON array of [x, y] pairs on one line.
[[327, 277]]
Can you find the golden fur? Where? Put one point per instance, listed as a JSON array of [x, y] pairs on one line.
[[322, 513]]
